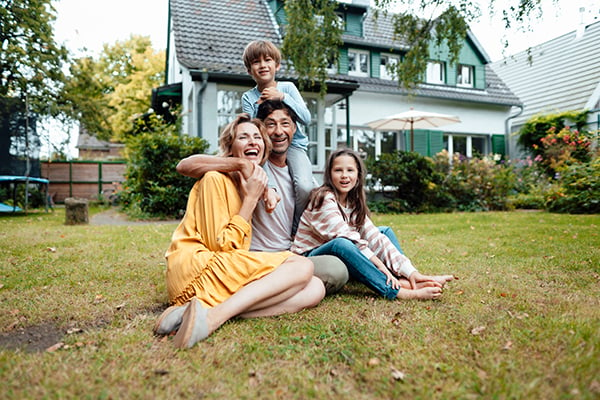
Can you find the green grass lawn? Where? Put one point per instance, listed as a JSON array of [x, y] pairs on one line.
[[77, 306]]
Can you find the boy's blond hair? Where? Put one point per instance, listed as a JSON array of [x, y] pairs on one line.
[[260, 48]]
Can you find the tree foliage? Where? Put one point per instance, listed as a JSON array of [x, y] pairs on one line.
[[312, 37], [313, 29], [106, 93], [153, 187], [30, 60]]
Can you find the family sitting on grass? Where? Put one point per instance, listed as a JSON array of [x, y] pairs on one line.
[[230, 255]]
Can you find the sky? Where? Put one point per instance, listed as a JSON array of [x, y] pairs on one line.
[[85, 25]]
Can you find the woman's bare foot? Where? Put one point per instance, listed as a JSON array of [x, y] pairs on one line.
[[425, 293]]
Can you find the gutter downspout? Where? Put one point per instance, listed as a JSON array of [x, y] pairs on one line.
[[168, 49], [348, 122], [506, 128], [203, 84]]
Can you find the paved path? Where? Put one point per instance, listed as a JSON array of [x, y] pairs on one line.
[[114, 217]]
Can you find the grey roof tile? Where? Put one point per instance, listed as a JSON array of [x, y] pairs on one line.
[[561, 75], [212, 35]]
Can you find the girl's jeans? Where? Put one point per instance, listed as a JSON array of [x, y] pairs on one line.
[[360, 267]]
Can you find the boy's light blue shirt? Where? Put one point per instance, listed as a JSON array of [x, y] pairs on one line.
[[293, 99]]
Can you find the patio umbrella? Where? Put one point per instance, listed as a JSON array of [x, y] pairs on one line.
[[412, 119]]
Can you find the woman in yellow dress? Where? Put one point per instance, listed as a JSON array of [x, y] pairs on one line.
[[212, 275]]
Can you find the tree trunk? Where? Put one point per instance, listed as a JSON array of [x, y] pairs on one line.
[[76, 211]]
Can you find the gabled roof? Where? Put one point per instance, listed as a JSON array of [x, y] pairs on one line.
[[563, 75], [211, 35]]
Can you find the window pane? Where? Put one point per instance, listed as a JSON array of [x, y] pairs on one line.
[[364, 63], [478, 144], [229, 104], [386, 62], [435, 72], [351, 61], [388, 142], [460, 144], [465, 75]]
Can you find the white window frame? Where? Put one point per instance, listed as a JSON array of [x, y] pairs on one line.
[[383, 71], [465, 75], [436, 72], [355, 69]]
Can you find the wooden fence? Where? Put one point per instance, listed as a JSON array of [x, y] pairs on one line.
[[92, 180]]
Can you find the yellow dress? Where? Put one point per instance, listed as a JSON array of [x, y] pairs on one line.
[[209, 255]]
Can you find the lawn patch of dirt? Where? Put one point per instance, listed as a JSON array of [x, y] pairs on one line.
[[32, 338]]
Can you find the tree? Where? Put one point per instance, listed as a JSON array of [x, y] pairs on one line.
[[30, 61], [107, 93], [312, 37], [312, 28]]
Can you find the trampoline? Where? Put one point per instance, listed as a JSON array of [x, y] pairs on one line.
[[15, 180]]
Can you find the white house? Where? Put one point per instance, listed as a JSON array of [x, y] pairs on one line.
[[206, 74], [562, 74]]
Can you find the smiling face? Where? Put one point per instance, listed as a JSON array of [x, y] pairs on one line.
[[263, 70], [281, 129], [344, 176], [248, 143]]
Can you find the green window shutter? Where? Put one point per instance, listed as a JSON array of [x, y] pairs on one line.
[[499, 144], [479, 73], [436, 142], [354, 24], [421, 141], [343, 61], [375, 61]]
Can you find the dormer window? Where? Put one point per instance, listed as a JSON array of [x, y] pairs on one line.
[[387, 62], [435, 72], [464, 75], [358, 62]]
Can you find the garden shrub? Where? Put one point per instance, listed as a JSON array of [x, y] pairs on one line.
[[531, 185], [152, 186], [406, 179], [578, 191], [537, 127], [562, 148], [477, 184]]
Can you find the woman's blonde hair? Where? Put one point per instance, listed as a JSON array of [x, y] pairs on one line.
[[228, 135]]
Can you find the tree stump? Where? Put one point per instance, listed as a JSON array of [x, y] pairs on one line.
[[76, 211]]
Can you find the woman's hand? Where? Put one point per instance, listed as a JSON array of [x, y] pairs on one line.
[[254, 186], [251, 191]]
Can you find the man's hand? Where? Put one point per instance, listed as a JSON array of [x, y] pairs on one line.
[[271, 199]]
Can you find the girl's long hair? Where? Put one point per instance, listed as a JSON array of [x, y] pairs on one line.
[[356, 199]]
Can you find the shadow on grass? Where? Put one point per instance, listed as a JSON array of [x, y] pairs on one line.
[[42, 337]]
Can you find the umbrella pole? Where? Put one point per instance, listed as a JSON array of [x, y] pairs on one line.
[[412, 137]]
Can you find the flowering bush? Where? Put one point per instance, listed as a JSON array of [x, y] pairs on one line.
[[477, 184], [562, 148]]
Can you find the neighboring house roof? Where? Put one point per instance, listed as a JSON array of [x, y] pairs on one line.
[[85, 141], [563, 75], [211, 35]]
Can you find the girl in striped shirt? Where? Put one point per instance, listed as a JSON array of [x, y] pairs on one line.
[[336, 222]]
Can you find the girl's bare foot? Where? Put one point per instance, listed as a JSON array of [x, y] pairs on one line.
[[405, 284], [425, 293], [441, 279]]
